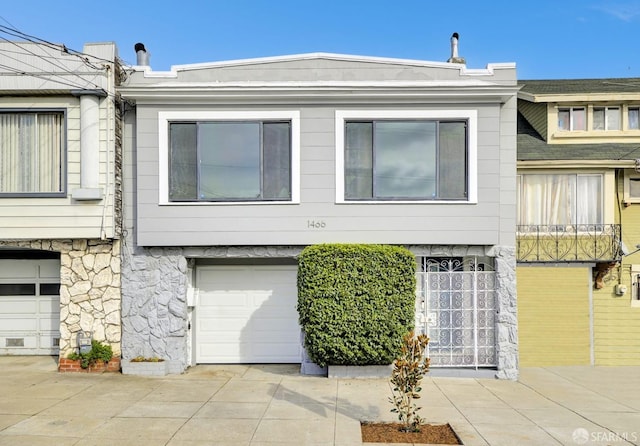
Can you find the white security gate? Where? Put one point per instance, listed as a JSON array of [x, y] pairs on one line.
[[29, 307], [455, 307], [247, 314]]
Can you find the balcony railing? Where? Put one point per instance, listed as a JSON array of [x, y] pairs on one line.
[[570, 243]]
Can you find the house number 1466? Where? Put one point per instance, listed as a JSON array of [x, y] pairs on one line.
[[316, 224]]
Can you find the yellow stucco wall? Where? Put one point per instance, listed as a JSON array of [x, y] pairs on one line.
[[553, 315]]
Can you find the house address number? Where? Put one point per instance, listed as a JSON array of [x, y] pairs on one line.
[[316, 224]]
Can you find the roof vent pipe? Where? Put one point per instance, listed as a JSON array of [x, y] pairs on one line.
[[142, 57], [454, 50]]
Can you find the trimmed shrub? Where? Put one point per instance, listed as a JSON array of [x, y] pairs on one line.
[[355, 302]]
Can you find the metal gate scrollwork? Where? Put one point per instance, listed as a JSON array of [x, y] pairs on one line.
[[456, 309]]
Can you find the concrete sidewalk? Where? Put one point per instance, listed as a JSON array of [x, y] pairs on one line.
[[274, 405]]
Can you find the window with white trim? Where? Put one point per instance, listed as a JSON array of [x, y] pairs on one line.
[[560, 199], [572, 118], [607, 118], [32, 149], [405, 156], [209, 157]]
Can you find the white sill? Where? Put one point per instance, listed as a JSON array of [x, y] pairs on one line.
[[635, 303], [225, 203], [383, 202]]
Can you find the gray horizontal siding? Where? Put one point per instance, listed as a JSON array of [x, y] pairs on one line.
[[273, 224]]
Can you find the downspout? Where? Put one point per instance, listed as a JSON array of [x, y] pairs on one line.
[[89, 145]]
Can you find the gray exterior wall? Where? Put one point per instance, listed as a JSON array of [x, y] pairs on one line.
[[490, 221]]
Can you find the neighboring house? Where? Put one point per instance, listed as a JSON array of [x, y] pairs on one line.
[[60, 197], [578, 219], [231, 168]]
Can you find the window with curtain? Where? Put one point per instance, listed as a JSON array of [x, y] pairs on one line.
[[606, 118], [633, 115], [572, 118], [230, 161], [560, 199], [31, 153], [405, 160]]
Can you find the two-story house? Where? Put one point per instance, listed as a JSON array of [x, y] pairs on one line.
[[231, 168], [60, 197], [579, 222]]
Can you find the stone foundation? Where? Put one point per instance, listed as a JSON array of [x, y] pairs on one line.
[[89, 289]]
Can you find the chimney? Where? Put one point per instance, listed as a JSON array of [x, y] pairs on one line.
[[142, 57], [454, 51]]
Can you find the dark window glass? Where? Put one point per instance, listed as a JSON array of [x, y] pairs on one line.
[[238, 161], [17, 289], [410, 160]]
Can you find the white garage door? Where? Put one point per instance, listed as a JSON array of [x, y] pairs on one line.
[[247, 314], [29, 307]]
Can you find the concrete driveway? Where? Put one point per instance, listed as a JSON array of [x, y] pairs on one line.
[[274, 405]]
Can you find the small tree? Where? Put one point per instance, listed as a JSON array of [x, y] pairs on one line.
[[408, 370]]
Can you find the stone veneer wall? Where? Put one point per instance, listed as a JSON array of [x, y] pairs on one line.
[[154, 303], [89, 289]]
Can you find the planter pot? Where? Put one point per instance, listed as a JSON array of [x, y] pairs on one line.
[[145, 368]]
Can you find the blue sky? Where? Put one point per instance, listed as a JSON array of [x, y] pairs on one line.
[[547, 39]]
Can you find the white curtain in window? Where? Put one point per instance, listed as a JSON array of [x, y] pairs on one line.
[[560, 199], [30, 152]]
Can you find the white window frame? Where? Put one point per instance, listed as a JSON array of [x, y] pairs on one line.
[[628, 176], [167, 117], [471, 116], [572, 110], [62, 168], [635, 285], [607, 109]]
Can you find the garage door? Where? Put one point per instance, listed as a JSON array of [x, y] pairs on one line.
[[247, 314], [29, 307], [554, 316]]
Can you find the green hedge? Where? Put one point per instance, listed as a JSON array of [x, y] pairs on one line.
[[355, 302]]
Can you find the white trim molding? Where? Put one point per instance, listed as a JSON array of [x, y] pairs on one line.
[[471, 116], [164, 118]]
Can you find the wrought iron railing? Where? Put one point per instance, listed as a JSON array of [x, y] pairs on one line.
[[570, 243]]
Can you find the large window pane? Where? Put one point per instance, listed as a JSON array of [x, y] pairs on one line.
[[183, 177], [225, 160], [404, 159], [418, 159], [31, 147], [229, 160]]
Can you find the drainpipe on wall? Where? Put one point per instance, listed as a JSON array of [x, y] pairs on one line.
[[89, 145]]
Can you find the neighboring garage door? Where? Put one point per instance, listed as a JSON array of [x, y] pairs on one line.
[[554, 316], [29, 307], [247, 314]]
